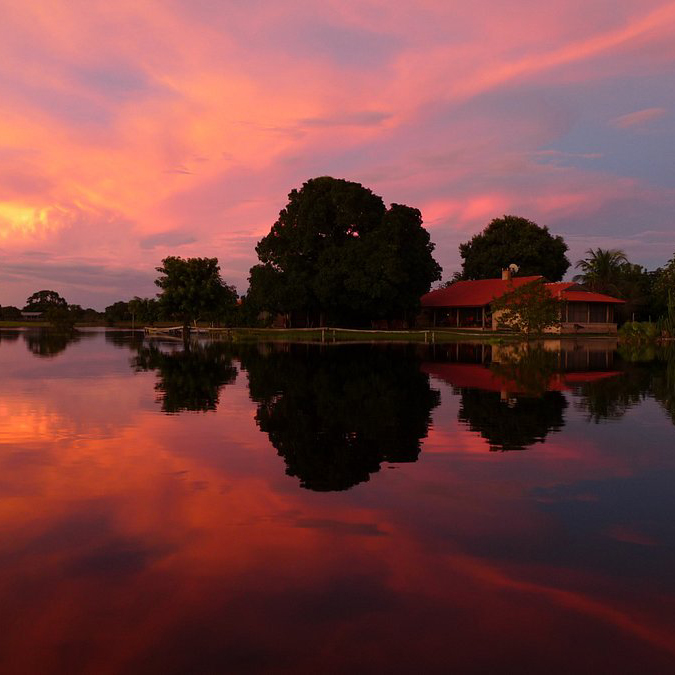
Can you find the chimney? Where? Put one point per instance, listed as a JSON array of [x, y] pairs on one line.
[[506, 274]]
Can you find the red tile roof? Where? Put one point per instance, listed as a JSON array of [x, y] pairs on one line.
[[472, 293], [484, 291], [571, 292], [587, 296]]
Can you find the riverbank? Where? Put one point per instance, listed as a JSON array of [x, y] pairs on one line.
[[327, 335]]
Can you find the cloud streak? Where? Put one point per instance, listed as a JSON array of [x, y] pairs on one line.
[[639, 118]]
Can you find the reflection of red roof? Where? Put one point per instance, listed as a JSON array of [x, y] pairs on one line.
[[464, 375], [484, 291], [477, 376], [472, 293], [585, 378]]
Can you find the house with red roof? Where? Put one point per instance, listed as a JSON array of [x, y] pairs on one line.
[[467, 304]]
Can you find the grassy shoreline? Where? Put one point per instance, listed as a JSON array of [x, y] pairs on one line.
[[329, 335]]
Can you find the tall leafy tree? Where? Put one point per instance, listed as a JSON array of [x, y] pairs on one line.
[[144, 310], [512, 239], [663, 287], [41, 301], [118, 311], [192, 289], [337, 253]]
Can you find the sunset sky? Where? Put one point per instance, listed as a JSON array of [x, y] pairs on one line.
[[134, 130]]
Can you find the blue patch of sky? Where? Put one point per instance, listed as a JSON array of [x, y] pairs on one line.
[[116, 82], [61, 104], [644, 151], [347, 47]]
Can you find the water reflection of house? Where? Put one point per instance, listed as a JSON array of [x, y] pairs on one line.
[[467, 304], [512, 395], [479, 366]]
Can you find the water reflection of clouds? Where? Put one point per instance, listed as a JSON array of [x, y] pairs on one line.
[[113, 557]]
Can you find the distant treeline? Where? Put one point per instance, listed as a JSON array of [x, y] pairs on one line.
[[338, 256]]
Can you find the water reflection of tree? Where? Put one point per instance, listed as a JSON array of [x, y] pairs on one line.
[[127, 339], [512, 422], [663, 382], [189, 378], [336, 414], [47, 343], [643, 373], [526, 368], [613, 397], [9, 335]]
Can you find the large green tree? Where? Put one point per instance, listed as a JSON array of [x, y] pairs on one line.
[[144, 310], [41, 301], [193, 290], [337, 254], [118, 311], [663, 287], [514, 240]]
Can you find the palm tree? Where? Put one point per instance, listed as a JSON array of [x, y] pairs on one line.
[[601, 270]]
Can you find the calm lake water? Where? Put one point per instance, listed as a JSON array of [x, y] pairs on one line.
[[334, 509]]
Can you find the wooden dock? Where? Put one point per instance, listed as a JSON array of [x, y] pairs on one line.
[[174, 331]]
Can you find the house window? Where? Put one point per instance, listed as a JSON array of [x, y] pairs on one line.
[[598, 312], [577, 312]]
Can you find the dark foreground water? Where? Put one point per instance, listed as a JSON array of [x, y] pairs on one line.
[[336, 509]]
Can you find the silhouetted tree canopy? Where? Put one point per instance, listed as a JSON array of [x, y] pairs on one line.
[[337, 254], [118, 311], [192, 289], [144, 310], [10, 313], [41, 301], [335, 415], [662, 288], [512, 239]]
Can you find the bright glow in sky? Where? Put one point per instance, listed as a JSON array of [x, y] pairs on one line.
[[134, 130]]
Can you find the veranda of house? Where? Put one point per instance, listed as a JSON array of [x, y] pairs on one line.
[[467, 305]]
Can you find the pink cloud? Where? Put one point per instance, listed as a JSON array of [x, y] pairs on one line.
[[638, 118]]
